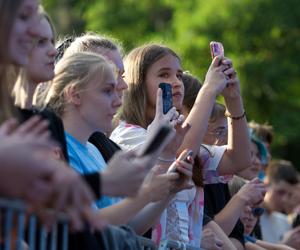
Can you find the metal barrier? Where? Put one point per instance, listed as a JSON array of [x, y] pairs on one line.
[[148, 244], [14, 223]]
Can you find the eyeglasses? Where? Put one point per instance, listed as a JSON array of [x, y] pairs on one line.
[[220, 132], [258, 211]]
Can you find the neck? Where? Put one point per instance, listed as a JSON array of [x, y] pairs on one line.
[[75, 125], [26, 103]]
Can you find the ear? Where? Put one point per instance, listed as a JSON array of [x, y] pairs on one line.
[[73, 96]]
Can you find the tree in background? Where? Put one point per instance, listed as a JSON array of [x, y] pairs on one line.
[[261, 36]]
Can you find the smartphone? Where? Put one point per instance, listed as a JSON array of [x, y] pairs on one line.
[[154, 142], [167, 96], [216, 49], [173, 168]]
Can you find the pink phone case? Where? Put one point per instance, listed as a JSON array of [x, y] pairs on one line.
[[216, 49]]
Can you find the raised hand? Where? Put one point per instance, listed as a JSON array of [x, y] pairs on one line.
[[215, 79]]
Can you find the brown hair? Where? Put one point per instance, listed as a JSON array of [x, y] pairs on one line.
[[8, 13], [20, 88], [136, 64], [282, 170], [264, 132], [192, 86]]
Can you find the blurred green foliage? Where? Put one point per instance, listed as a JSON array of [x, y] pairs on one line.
[[262, 37]]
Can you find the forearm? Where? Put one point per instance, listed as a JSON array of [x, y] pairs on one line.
[[229, 215], [123, 211], [252, 246], [271, 246], [227, 244], [149, 216], [198, 119], [238, 245], [238, 148]]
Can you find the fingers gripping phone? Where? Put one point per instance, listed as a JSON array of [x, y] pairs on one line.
[[167, 96], [216, 49], [155, 141], [172, 169]]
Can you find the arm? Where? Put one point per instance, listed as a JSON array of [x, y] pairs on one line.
[[237, 156], [252, 246], [272, 246], [156, 187], [227, 244], [230, 214], [251, 193], [198, 117]]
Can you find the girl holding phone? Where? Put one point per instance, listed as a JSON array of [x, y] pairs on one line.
[[145, 68]]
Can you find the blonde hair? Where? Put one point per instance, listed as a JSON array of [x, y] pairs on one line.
[[74, 71], [92, 42]]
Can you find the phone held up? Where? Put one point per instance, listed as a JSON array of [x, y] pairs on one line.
[[216, 49], [167, 96]]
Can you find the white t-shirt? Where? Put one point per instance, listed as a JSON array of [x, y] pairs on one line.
[[182, 220], [274, 226]]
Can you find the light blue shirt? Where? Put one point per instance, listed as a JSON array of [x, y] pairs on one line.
[[85, 159]]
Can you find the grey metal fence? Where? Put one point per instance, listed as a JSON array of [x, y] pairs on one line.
[[14, 222]]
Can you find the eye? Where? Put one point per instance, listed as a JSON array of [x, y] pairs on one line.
[[179, 76], [24, 16], [164, 75], [42, 42]]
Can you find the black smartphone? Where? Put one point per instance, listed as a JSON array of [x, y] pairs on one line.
[[155, 142], [167, 96]]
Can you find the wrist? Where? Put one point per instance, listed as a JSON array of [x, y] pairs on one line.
[[242, 199], [209, 90], [237, 116], [107, 184]]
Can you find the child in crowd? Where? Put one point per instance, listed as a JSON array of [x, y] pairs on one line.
[[281, 179], [249, 217], [145, 68]]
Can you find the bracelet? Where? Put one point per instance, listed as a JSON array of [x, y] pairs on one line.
[[227, 114], [166, 160]]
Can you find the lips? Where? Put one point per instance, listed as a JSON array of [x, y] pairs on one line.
[[177, 94]]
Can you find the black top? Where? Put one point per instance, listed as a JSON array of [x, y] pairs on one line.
[[216, 196], [56, 126], [106, 146]]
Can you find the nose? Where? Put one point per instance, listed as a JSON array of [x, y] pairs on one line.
[[176, 83], [122, 85], [33, 27], [117, 102], [52, 52]]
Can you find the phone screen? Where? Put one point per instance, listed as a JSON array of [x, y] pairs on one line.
[[167, 96]]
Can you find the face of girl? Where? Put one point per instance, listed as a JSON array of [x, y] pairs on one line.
[[216, 133], [248, 220], [166, 69], [252, 172], [115, 57], [41, 61], [99, 103], [23, 32]]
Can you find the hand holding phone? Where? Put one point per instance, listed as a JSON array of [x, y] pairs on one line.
[[167, 96], [216, 49], [189, 154]]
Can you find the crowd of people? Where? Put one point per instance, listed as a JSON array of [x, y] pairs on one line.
[[75, 113]]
